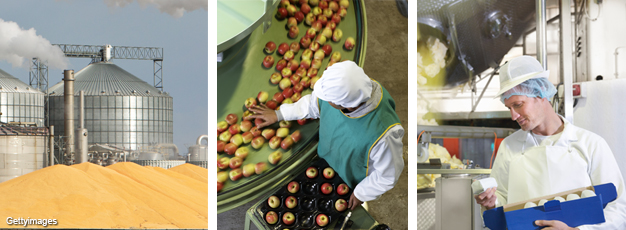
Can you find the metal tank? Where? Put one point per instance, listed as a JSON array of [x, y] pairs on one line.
[[22, 150], [120, 109], [19, 102]]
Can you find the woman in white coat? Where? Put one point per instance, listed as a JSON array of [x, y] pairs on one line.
[[548, 155]]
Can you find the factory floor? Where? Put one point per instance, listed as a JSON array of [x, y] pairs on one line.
[[386, 61]]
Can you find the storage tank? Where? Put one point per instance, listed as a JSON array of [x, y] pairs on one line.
[[120, 109], [19, 102], [22, 150]]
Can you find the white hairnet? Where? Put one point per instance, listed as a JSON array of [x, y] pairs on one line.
[[536, 87], [344, 84]]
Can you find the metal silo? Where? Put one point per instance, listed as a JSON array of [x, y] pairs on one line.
[[19, 102], [120, 109]]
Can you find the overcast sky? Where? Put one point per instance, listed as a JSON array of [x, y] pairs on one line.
[[182, 35]]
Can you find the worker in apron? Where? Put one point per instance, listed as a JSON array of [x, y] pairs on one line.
[[360, 135], [548, 155]]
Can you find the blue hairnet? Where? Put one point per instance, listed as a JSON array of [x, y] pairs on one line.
[[536, 87]]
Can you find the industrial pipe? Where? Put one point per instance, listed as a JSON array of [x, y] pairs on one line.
[[168, 146], [51, 146], [199, 140], [541, 43], [81, 133], [68, 82]]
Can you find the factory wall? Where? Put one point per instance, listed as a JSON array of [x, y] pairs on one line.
[[604, 35]]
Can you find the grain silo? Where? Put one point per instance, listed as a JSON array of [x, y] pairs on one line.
[[120, 109], [19, 102]]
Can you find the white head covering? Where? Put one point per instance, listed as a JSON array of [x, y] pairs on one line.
[[518, 70], [344, 84]]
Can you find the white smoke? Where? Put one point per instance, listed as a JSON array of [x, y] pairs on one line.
[[175, 8], [19, 47]]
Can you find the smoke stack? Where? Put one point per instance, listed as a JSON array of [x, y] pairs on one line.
[[81, 132], [68, 82]]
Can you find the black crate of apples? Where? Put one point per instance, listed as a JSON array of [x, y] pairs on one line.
[[313, 200]]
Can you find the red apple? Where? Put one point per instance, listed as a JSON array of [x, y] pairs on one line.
[[288, 218], [293, 187], [270, 47], [278, 97], [329, 173], [246, 125], [349, 44], [293, 32], [262, 96], [235, 162], [281, 64], [289, 55], [282, 48], [271, 217], [316, 63], [344, 3], [327, 13], [305, 64], [323, 4], [305, 81], [296, 136], [309, 18], [295, 79], [248, 170], [342, 12], [268, 61], [235, 174], [336, 56], [300, 72], [258, 121], [298, 88], [302, 121], [222, 163], [327, 49], [231, 118], [275, 157], [310, 33], [333, 6], [341, 205], [274, 143], [273, 202], [306, 55], [336, 18], [247, 137], [305, 8], [327, 32], [312, 72], [311, 172], [220, 146], [234, 129], [225, 136], [342, 189], [258, 142], [315, 46], [286, 73], [322, 19], [242, 152], [271, 104], [305, 42], [326, 188], [223, 125], [220, 186], [260, 168], [313, 81], [287, 92], [321, 39], [291, 21], [255, 132], [291, 202], [314, 2], [284, 3], [282, 132], [236, 139], [246, 115], [291, 10], [268, 133], [286, 143], [296, 97], [293, 65], [251, 101], [281, 13], [317, 26], [321, 220], [299, 16], [319, 55], [331, 24], [222, 177], [284, 124]]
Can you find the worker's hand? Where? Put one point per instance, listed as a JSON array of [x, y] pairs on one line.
[[552, 225], [354, 202], [266, 114], [487, 199]]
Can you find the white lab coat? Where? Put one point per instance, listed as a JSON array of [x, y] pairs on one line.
[[575, 158], [385, 159]]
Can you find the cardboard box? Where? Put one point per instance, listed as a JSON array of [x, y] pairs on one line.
[[574, 213]]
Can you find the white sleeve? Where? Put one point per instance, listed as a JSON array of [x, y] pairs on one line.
[[604, 169], [500, 172], [306, 107], [385, 166]]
